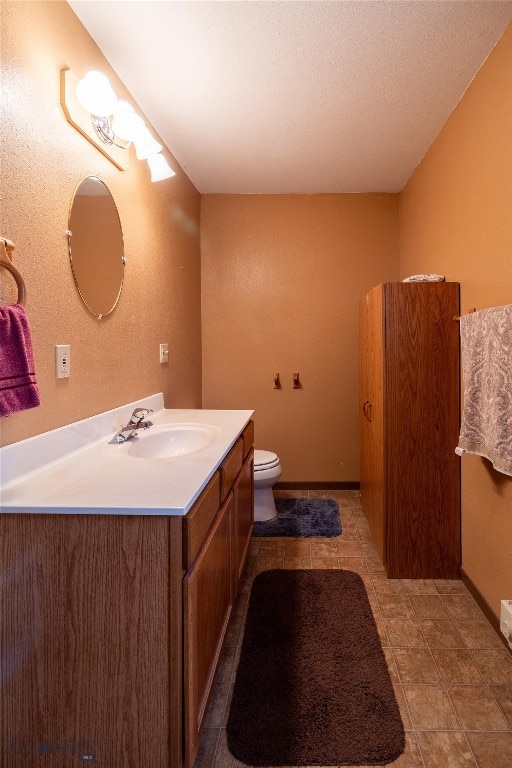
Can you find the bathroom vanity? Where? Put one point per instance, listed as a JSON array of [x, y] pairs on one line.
[[114, 606]]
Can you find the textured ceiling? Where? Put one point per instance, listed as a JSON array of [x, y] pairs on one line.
[[296, 97]]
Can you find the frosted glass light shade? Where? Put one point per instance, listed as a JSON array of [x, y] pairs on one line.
[[95, 94], [126, 124], [159, 168], [146, 145]]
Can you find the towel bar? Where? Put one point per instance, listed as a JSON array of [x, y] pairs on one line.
[[458, 317], [5, 261]]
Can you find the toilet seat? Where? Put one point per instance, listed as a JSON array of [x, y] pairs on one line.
[[265, 460]]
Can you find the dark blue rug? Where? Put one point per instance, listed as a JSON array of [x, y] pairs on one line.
[[302, 517]]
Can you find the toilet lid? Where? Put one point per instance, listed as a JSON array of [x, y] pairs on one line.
[[265, 460]]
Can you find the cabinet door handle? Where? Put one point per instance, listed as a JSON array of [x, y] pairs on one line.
[[367, 406]]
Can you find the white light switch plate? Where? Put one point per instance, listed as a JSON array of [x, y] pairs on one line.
[[164, 353]]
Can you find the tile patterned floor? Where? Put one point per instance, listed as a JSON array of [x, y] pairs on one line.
[[452, 675]]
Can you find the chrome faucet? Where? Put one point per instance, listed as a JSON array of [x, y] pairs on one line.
[[136, 422]]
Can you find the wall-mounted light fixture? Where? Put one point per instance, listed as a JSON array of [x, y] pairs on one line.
[[112, 125]]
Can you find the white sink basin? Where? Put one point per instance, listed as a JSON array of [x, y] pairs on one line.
[[172, 440]]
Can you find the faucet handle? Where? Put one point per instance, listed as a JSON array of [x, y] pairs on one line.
[[139, 414], [121, 437]]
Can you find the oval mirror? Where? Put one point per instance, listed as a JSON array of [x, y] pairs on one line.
[[96, 249]]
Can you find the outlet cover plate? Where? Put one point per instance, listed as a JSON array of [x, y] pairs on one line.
[[164, 353]]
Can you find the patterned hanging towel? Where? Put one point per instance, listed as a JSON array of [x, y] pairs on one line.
[[18, 387], [486, 347]]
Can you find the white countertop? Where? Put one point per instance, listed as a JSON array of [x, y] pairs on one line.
[[72, 470]]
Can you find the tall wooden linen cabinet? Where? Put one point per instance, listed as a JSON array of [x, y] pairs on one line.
[[409, 423]]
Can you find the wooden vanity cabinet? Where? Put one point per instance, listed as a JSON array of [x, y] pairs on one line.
[[215, 549], [409, 427], [111, 626]]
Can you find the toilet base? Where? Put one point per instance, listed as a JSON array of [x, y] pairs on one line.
[[264, 504]]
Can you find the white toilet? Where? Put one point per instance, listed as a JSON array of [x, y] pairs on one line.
[[267, 471]]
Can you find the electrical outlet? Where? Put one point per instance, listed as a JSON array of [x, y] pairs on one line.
[[164, 353], [62, 361]]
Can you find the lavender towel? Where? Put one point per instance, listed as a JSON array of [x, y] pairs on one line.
[[18, 387], [486, 346]]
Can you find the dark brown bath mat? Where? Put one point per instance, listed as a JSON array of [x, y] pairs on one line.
[[312, 686]]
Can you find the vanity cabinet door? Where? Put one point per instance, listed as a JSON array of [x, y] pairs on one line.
[[207, 606], [243, 516]]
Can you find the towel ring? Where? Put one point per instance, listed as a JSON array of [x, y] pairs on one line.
[[6, 262]]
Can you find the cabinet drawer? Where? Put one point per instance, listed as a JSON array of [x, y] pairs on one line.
[[248, 437], [230, 468], [198, 521]]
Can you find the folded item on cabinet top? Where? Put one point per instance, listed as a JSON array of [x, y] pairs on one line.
[[424, 279]]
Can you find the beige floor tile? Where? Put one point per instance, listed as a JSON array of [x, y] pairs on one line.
[[217, 705], [282, 493], [479, 634], [415, 665], [227, 708], [226, 664], [381, 629], [496, 665], [245, 583], [411, 756], [207, 748], [491, 750], [403, 633], [297, 563], [297, 547], [267, 564], [349, 548], [394, 606], [402, 705], [391, 663], [356, 564], [240, 606], [254, 546], [372, 599], [419, 586], [439, 715], [430, 708], [325, 562], [476, 708], [441, 633], [349, 534], [450, 587], [456, 665], [325, 548], [374, 565], [503, 695], [271, 546], [445, 749], [368, 583], [250, 564], [462, 608], [233, 632], [223, 757], [428, 606], [387, 586], [368, 551]]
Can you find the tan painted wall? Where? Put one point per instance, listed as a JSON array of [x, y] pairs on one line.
[[456, 219], [281, 280], [115, 360]]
